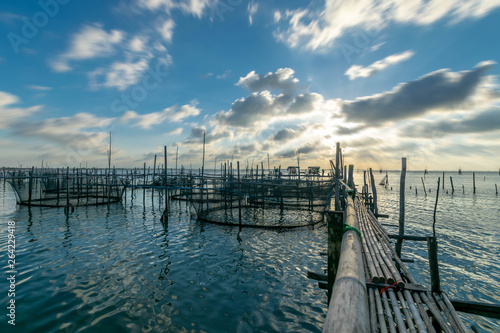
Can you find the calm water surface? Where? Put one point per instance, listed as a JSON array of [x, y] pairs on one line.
[[119, 268]]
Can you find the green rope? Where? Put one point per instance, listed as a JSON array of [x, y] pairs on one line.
[[347, 227]]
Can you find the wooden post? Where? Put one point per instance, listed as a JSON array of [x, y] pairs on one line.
[[374, 191], [335, 222], [30, 186], [433, 263], [154, 171], [337, 177], [474, 181], [443, 180], [496, 189], [452, 187], [164, 217], [67, 188], [399, 243], [350, 181], [239, 194], [423, 184]]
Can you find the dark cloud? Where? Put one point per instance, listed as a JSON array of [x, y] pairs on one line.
[[485, 121], [309, 148], [286, 134], [196, 135], [342, 130], [441, 89], [246, 112], [304, 103]]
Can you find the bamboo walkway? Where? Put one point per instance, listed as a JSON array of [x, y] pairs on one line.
[[397, 303], [373, 289]]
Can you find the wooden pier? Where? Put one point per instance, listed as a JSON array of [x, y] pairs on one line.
[[370, 289]]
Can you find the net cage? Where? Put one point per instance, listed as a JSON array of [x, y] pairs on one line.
[[65, 187], [260, 202]]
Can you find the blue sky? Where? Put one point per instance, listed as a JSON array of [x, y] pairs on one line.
[[388, 79]]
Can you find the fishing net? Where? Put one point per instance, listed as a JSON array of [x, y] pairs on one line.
[[260, 202], [61, 188]]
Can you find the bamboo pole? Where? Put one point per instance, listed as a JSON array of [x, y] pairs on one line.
[[30, 186], [433, 263], [423, 184], [399, 243], [350, 178], [388, 313], [397, 311], [239, 195], [374, 191], [474, 182], [348, 311]]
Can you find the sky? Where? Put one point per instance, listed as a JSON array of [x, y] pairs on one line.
[[285, 79]]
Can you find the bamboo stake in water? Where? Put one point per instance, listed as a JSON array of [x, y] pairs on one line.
[[474, 182], [399, 243], [423, 184]]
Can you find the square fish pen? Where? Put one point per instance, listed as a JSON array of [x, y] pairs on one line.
[[261, 202], [66, 187]]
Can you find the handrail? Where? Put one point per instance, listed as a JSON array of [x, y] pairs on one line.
[[348, 311]]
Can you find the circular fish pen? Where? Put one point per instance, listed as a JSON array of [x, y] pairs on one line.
[[61, 188], [260, 203]]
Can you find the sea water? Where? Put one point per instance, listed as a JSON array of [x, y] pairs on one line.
[[120, 268]]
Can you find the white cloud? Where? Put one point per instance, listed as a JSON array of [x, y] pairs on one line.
[[166, 29], [172, 113], [137, 44], [124, 74], [41, 88], [176, 131], [191, 7], [315, 28], [10, 115], [91, 41], [356, 71], [252, 10], [282, 80], [223, 75]]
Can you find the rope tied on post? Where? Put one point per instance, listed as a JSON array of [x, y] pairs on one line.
[[352, 193], [347, 227]]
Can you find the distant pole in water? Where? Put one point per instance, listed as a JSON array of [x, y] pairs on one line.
[[239, 194], [452, 188], [474, 182], [399, 243], [423, 184], [496, 189], [176, 158], [443, 180], [374, 191], [164, 217]]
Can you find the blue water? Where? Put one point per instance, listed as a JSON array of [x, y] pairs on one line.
[[119, 268]]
